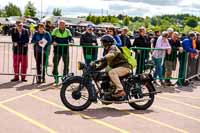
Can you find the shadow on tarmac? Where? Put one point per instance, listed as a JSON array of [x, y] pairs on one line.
[[35, 86], [173, 89], [100, 113], [9, 85]]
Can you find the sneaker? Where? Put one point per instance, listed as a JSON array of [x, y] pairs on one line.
[[14, 80]]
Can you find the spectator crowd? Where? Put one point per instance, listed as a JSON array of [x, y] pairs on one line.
[[166, 49]]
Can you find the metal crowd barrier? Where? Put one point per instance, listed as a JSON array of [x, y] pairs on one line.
[[193, 67], [145, 63], [71, 54], [7, 57], [173, 66], [74, 53]]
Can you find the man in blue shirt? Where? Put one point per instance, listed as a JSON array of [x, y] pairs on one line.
[[189, 45]]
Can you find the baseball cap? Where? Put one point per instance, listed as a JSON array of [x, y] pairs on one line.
[[90, 26]]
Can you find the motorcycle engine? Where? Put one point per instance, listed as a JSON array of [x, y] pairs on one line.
[[108, 89]]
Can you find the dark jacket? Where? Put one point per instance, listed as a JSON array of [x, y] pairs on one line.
[[198, 44], [154, 41], [21, 41], [87, 39], [114, 58], [174, 46], [142, 41], [37, 37], [125, 41], [48, 28]]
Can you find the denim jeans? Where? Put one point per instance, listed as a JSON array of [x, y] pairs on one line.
[[158, 68]]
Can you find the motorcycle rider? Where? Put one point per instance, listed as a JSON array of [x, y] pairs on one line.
[[114, 62]]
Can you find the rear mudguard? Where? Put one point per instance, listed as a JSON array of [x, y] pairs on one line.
[[86, 82], [147, 78]]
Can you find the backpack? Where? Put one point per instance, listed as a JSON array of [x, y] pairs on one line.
[[128, 56]]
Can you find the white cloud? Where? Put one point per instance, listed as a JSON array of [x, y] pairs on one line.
[[130, 7]]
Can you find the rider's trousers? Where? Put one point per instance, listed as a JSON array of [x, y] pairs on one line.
[[114, 75]]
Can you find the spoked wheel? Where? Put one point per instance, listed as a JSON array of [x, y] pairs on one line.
[[147, 99], [75, 95]]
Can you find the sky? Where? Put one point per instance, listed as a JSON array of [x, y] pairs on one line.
[[141, 8]]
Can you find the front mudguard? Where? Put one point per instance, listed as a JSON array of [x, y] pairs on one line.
[[64, 78], [87, 82]]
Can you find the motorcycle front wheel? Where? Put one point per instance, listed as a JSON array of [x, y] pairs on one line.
[[73, 97]]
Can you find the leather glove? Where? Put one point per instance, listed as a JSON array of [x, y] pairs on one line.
[[93, 64]]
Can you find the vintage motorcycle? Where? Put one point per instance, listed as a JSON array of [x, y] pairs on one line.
[[78, 92]]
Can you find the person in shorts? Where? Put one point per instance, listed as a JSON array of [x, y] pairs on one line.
[[171, 59]]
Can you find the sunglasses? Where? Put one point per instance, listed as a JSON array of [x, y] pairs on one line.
[[109, 31]]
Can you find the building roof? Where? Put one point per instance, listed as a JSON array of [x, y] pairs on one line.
[[105, 25]]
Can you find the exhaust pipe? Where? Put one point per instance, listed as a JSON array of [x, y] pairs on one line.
[[138, 100]]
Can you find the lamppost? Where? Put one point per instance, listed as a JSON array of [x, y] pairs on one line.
[[41, 8]]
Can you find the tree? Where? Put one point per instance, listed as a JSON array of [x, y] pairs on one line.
[[114, 20], [105, 19], [30, 10], [126, 21], [88, 18], [135, 19], [120, 17], [57, 12], [98, 20], [187, 29], [2, 13], [197, 28], [93, 19], [27, 13], [12, 10], [192, 22]]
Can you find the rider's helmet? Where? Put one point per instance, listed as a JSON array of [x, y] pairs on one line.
[[107, 41]]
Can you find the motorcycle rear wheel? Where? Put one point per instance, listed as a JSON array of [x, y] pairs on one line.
[[149, 88]]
